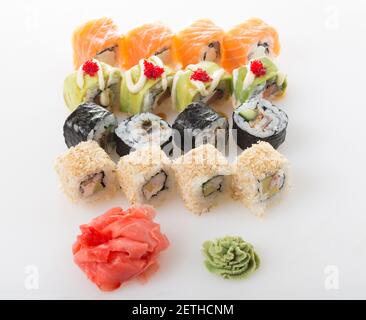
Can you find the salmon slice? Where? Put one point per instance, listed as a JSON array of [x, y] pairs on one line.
[[248, 40], [201, 41], [97, 38], [145, 41]]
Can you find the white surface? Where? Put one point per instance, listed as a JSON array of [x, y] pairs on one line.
[[321, 223]]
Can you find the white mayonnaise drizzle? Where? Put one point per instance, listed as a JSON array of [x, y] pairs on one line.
[[174, 86], [249, 77], [235, 79], [216, 77], [80, 76], [104, 98], [136, 87]]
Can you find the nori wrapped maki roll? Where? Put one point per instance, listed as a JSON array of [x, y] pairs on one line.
[[259, 120], [199, 124], [90, 122], [142, 130]]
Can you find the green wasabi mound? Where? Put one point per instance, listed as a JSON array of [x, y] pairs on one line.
[[230, 257], [272, 84]]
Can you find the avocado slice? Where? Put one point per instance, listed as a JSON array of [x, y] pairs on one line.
[[267, 189], [249, 114]]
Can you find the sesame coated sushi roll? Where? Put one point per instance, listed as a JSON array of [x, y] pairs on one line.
[[145, 176], [203, 177], [260, 177], [259, 120], [87, 173]]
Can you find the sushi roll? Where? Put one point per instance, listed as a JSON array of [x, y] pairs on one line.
[[142, 130], [199, 124], [95, 82], [96, 39], [261, 176], [87, 173], [260, 78], [204, 81], [151, 39], [203, 178], [201, 41], [249, 40], [145, 176], [143, 86], [90, 122], [259, 120]]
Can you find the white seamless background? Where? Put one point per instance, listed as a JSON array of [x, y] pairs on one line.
[[311, 246]]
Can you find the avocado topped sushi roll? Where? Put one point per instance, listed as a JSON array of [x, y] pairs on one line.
[[203, 82], [144, 85], [142, 130], [145, 176], [199, 124], [260, 77], [95, 82], [259, 120], [90, 122]]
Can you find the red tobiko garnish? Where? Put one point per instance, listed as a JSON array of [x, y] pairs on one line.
[[258, 68], [151, 71], [201, 75], [91, 68]]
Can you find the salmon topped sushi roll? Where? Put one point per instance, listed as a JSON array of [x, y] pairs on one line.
[[152, 39], [201, 41], [249, 40], [96, 39]]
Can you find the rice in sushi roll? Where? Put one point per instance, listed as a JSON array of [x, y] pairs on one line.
[[260, 177], [260, 78], [145, 176], [87, 173], [259, 120], [199, 124], [142, 130], [95, 82], [203, 178], [90, 122]]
